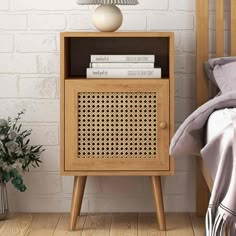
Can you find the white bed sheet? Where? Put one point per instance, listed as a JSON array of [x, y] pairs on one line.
[[217, 121]]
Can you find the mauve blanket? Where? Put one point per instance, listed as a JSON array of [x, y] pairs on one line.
[[220, 157]]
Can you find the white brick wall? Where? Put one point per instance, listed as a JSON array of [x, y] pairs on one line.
[[50, 22], [184, 5], [48, 64], [29, 78], [35, 43], [81, 22], [18, 63], [138, 18], [8, 86], [13, 22], [4, 5], [36, 111], [6, 42], [160, 21], [38, 87], [44, 134]]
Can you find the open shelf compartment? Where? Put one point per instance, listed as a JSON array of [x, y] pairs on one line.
[[78, 51]]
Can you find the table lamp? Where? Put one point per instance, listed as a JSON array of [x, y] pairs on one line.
[[107, 17]]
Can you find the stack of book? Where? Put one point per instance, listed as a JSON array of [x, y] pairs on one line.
[[123, 66]]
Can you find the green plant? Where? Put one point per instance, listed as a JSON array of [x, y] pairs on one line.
[[16, 154]]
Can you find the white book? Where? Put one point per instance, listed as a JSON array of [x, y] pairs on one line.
[[122, 65], [122, 58], [123, 73]]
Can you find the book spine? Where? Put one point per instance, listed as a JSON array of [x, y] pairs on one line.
[[122, 65], [122, 58], [123, 73]]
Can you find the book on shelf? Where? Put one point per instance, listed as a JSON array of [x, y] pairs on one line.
[[122, 58], [123, 73], [121, 65]]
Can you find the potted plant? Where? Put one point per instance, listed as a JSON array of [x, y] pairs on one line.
[[16, 156]]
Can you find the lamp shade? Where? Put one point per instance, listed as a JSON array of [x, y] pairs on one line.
[[112, 2]]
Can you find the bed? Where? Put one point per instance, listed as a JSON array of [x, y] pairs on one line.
[[211, 128], [204, 182]]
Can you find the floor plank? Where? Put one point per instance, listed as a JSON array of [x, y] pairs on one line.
[[97, 225], [63, 226], [198, 224], [43, 225], [179, 224], [147, 225], [124, 224], [16, 225]]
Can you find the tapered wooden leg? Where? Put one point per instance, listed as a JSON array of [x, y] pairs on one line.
[[77, 197], [202, 191], [158, 199]]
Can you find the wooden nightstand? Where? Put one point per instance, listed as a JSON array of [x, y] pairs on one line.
[[116, 126]]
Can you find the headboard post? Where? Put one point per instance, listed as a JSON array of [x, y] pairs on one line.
[[202, 41], [233, 27], [202, 49], [219, 28]]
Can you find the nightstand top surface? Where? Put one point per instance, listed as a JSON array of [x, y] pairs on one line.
[[117, 34]]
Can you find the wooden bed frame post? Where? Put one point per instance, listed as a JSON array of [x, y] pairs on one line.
[[233, 27], [202, 38]]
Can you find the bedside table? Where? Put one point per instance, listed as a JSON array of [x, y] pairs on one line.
[[116, 126]]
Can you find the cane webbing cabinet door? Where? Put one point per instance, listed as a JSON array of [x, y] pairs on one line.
[[116, 126]]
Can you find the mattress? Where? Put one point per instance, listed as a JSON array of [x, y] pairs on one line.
[[217, 121]]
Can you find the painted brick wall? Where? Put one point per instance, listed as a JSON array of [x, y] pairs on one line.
[[29, 79]]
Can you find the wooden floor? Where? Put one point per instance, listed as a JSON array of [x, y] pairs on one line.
[[124, 224]]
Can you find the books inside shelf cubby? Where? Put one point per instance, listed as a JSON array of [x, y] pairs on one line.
[[123, 66], [80, 49]]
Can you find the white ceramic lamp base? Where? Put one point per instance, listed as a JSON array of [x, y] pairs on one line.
[[107, 18]]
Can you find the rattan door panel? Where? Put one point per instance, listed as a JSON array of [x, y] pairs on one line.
[[115, 125]]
